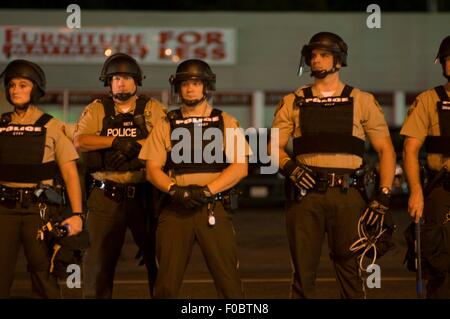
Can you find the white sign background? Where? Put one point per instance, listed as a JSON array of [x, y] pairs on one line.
[[92, 45]]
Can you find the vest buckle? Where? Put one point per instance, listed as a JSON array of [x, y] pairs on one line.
[[332, 182], [131, 191]]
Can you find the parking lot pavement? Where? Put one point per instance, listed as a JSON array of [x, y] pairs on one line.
[[264, 264]]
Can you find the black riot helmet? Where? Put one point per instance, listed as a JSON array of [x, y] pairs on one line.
[[443, 52], [193, 70], [28, 70], [327, 41], [121, 63]]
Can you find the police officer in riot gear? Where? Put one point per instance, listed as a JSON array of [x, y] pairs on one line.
[[34, 151], [329, 123], [332, 44], [428, 124], [110, 133], [200, 191]]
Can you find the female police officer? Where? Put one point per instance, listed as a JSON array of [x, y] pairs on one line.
[[33, 149], [193, 215]]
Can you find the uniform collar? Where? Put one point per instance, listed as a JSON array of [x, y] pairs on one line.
[[31, 116], [338, 91], [207, 111], [130, 110], [317, 93]]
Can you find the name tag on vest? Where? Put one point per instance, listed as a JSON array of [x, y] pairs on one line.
[[201, 121], [327, 101], [445, 105], [20, 129]]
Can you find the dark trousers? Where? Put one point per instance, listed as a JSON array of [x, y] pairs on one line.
[[177, 231], [107, 223], [437, 206], [19, 226], [335, 213]]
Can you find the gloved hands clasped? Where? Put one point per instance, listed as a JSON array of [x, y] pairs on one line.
[[191, 196], [300, 175], [127, 146]]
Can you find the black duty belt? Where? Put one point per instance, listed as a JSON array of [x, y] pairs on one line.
[[445, 176], [116, 191], [12, 195], [325, 180], [442, 180]]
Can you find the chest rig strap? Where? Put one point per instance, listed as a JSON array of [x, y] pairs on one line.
[[22, 152], [5, 118], [441, 144], [108, 105], [326, 124]]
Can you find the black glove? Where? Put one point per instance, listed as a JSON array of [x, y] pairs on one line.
[[117, 160], [301, 175], [191, 196], [129, 147], [376, 210]]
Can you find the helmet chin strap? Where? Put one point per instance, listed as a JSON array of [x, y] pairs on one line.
[[193, 102], [123, 96], [323, 73], [23, 107]]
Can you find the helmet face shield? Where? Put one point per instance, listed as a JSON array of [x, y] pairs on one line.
[[303, 67]]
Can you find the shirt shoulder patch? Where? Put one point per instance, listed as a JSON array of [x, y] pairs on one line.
[[413, 107]]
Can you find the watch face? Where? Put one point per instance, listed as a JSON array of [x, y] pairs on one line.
[[385, 190]]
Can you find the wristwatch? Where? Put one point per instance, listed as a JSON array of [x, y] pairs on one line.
[[385, 191], [81, 215]]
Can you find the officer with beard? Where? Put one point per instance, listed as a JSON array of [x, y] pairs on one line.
[[200, 189], [110, 132], [34, 151], [329, 123], [428, 123]]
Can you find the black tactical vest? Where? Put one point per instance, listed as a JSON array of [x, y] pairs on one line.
[[326, 124], [127, 125], [22, 151], [441, 144], [196, 148]]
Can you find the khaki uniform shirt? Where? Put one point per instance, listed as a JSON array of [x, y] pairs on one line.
[[368, 120], [58, 147], [158, 144], [91, 122], [423, 120]]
